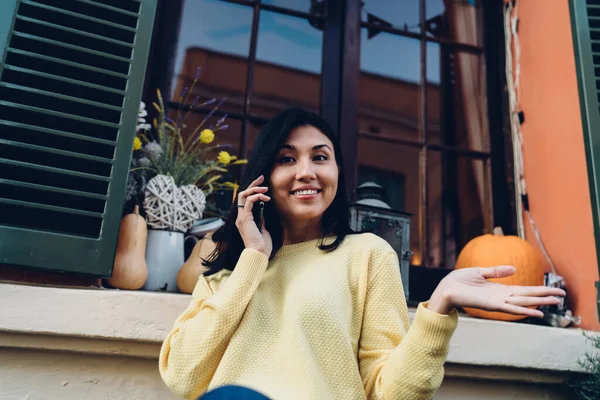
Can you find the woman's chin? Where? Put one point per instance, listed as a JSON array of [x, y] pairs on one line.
[[306, 214]]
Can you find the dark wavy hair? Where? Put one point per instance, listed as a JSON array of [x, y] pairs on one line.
[[266, 148]]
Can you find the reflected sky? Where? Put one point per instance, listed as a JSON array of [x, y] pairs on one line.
[[294, 43]]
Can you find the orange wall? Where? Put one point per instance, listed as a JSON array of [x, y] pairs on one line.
[[554, 155]]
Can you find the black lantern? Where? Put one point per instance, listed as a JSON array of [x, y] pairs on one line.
[[370, 213]]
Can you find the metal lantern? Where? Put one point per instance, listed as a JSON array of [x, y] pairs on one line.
[[370, 213]]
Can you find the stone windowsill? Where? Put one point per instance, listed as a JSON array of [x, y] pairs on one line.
[[134, 323]]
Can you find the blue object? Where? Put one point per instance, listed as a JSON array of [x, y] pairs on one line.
[[233, 392]]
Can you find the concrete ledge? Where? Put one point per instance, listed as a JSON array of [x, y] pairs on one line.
[[134, 323]]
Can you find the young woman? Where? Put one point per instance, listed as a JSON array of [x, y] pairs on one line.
[[303, 308]]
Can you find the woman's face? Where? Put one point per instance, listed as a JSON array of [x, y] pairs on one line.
[[304, 179]]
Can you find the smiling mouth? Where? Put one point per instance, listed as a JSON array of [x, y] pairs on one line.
[[305, 192]]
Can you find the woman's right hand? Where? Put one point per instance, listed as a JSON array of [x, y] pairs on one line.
[[252, 237]]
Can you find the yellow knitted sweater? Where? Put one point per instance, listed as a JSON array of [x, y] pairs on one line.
[[308, 325]]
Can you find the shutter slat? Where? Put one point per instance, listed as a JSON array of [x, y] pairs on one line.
[[64, 79], [59, 114], [47, 207], [115, 9], [76, 31], [83, 16], [55, 170], [53, 189], [71, 64], [58, 133], [56, 151], [71, 46], [61, 96]]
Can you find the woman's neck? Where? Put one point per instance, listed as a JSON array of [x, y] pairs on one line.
[[298, 232]]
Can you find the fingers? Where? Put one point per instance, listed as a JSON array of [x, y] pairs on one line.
[[525, 301], [250, 200], [252, 189], [518, 310], [500, 271], [246, 194], [536, 291]]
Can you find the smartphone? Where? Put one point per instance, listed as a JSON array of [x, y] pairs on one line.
[[258, 210]]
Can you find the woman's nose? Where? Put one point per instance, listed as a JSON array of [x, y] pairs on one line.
[[305, 171]]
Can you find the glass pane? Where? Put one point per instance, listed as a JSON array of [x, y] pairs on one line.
[[299, 5], [402, 14], [434, 99], [456, 103], [389, 86], [456, 203], [288, 67], [215, 37], [253, 131], [396, 168], [457, 20]]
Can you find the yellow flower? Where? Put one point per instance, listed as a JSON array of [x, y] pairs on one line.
[[225, 158], [137, 143], [232, 185], [207, 136]]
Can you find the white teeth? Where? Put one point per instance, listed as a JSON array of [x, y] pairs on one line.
[[304, 192]]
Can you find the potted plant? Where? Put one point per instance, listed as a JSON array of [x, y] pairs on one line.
[[587, 385], [172, 175]]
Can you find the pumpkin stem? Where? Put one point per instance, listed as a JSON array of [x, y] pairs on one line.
[[136, 210], [497, 231]]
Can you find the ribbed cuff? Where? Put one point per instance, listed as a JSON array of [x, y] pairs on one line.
[[250, 266], [434, 330]]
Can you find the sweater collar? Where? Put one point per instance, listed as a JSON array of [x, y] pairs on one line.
[[309, 244]]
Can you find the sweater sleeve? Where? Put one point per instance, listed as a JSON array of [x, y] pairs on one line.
[[397, 362], [193, 349]]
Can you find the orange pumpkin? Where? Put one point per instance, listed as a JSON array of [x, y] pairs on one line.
[[190, 271], [488, 251]]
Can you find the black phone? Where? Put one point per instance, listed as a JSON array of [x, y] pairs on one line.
[[258, 210]]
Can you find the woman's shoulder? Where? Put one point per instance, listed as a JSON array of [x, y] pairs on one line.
[[369, 243]]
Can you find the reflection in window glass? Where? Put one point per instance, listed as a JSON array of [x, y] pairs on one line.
[[395, 167], [298, 5], [456, 104], [391, 182], [390, 56], [288, 66], [455, 20], [289, 42], [214, 36], [456, 203], [435, 105], [402, 14], [389, 86]]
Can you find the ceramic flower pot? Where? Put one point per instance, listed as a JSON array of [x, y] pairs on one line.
[[164, 257]]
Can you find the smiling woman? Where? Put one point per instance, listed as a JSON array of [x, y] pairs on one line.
[[305, 309], [304, 182]]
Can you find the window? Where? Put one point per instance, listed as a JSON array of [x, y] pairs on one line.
[[422, 115], [415, 72]]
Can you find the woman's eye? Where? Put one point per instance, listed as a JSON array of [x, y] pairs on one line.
[[285, 160], [321, 158]]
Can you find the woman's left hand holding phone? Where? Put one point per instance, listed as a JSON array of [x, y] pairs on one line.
[[253, 237]]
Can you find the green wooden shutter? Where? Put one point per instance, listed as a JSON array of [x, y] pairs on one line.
[[70, 86], [585, 23]]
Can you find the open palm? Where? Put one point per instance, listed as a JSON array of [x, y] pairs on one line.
[[469, 287]]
